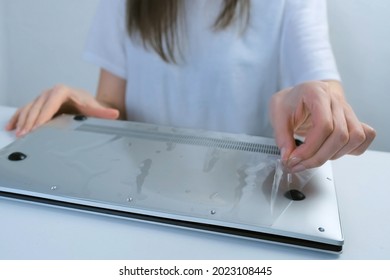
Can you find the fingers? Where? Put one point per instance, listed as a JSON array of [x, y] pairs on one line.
[[319, 112], [305, 109], [349, 136], [38, 111], [49, 103], [11, 125], [355, 132], [328, 134], [355, 144], [370, 135], [94, 109], [21, 129]]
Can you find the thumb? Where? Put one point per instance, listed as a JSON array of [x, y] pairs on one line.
[[284, 138], [282, 125], [96, 109]]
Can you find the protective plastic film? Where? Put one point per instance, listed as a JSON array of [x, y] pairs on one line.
[[212, 177], [287, 185]]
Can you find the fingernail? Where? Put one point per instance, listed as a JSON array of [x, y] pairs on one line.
[[21, 132], [293, 161], [298, 168]]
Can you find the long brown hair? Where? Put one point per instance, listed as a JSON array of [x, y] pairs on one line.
[[156, 22]]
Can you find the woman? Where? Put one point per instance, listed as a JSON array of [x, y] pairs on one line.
[[256, 67]]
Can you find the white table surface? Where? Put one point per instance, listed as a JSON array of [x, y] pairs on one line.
[[29, 231]]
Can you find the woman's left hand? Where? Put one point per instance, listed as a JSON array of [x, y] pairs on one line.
[[319, 112]]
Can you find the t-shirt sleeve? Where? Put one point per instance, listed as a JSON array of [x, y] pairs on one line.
[[105, 45], [306, 53]]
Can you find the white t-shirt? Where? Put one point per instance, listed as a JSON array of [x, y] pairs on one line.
[[226, 78]]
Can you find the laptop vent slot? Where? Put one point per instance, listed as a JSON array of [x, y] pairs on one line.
[[183, 139]]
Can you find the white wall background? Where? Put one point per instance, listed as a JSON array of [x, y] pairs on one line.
[[3, 56], [44, 39], [360, 33]]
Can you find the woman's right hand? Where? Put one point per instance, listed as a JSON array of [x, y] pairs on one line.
[[59, 99]]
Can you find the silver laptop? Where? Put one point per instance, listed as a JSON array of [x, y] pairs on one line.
[[209, 181]]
